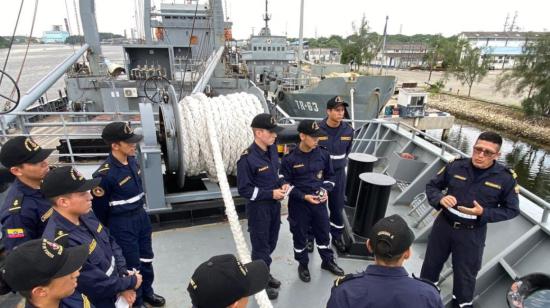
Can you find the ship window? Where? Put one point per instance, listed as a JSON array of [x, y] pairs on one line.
[[168, 17], [269, 48], [264, 48], [255, 48]]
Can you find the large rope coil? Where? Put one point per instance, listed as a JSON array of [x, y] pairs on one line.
[[216, 131], [231, 115]]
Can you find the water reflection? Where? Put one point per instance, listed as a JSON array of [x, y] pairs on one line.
[[531, 163]]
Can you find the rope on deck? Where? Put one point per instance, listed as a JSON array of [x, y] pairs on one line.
[[208, 112]]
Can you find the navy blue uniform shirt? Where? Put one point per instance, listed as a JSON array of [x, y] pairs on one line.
[[495, 189], [308, 172], [24, 215], [338, 142], [120, 190], [383, 287], [102, 276], [258, 173]]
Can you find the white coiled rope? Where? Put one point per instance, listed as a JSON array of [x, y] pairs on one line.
[[225, 122], [231, 115]]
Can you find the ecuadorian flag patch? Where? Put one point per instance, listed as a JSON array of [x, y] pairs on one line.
[[15, 233]]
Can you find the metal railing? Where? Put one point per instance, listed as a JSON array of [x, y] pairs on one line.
[[446, 149]]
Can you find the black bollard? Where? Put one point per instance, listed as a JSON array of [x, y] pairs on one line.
[[357, 163], [372, 201]]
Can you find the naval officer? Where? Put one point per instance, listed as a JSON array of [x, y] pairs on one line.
[[119, 204], [259, 181], [479, 190], [25, 212]]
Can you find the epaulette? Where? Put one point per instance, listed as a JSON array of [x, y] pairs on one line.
[[245, 152], [426, 281], [103, 170], [16, 204], [456, 158], [512, 172], [341, 279], [61, 237], [47, 215]]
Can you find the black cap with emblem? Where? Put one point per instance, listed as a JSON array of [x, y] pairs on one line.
[[223, 280], [310, 128], [37, 262], [335, 102], [266, 121], [120, 131], [20, 150], [65, 180], [391, 236]]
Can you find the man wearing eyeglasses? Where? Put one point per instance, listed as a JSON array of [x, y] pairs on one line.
[[479, 191]]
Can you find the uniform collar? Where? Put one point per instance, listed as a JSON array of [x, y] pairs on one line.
[[27, 190], [379, 270], [63, 222], [259, 150], [112, 159]]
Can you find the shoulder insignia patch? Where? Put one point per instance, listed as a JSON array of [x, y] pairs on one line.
[[61, 237], [98, 191], [46, 215], [513, 173], [15, 207], [427, 282], [103, 169], [455, 158], [15, 233], [516, 189], [245, 152], [99, 228], [441, 170], [85, 302], [341, 279], [92, 246]]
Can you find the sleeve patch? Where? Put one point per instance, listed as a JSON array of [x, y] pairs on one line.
[[16, 205], [98, 191], [15, 233]]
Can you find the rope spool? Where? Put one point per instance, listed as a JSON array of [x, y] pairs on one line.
[[231, 115]]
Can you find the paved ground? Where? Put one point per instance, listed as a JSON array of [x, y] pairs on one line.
[[484, 90]]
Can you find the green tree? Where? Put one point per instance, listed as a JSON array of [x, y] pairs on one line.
[[366, 43], [4, 43], [472, 67], [531, 73]]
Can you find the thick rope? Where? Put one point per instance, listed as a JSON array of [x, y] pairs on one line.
[[232, 115], [212, 110]]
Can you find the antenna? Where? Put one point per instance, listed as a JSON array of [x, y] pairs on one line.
[[506, 22], [513, 25], [267, 17]]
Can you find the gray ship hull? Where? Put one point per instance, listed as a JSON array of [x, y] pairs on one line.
[[370, 94]]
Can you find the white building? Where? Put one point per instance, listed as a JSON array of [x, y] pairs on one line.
[[502, 47]]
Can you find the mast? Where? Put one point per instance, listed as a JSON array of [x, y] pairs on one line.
[[383, 46], [301, 44], [91, 35]]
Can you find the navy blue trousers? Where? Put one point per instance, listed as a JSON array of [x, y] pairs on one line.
[[303, 216], [132, 233], [466, 246], [264, 222]]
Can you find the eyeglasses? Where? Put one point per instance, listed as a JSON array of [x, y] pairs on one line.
[[479, 150]]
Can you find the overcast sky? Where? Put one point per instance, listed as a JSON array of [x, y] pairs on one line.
[[321, 17]]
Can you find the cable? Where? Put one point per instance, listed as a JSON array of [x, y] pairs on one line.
[[11, 41]]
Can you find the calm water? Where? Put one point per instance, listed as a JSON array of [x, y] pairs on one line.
[[531, 162]]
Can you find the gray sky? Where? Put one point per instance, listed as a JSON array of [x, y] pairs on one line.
[[322, 17]]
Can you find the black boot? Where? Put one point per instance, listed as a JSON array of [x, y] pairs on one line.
[[154, 300], [273, 283], [272, 293], [339, 244], [332, 267], [310, 246], [303, 273]]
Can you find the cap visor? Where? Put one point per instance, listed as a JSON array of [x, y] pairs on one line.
[[89, 184], [39, 156], [258, 276], [277, 129], [134, 139], [76, 256], [318, 133]]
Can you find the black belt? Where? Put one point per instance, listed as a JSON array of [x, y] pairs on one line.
[[130, 212], [457, 225], [263, 202]]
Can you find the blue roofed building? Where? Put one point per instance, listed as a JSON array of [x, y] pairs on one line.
[[54, 36], [502, 48]]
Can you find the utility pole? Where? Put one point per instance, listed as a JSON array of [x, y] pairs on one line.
[[301, 43], [383, 45]]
